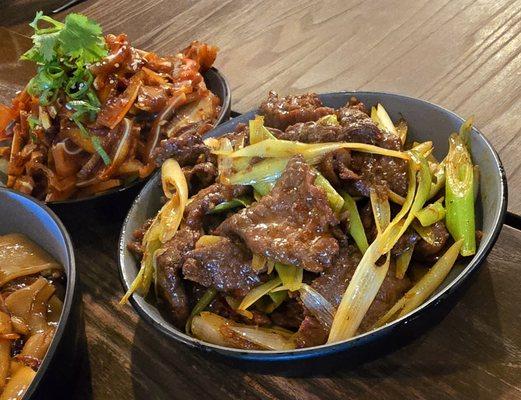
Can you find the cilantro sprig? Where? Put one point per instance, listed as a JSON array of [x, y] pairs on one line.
[[63, 52]]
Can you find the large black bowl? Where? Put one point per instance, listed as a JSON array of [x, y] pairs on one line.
[[22, 214], [122, 195], [426, 122]]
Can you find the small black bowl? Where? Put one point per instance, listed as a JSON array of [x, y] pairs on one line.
[[426, 121], [22, 214], [123, 195]]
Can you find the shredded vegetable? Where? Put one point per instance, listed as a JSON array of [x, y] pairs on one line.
[[425, 287], [201, 305], [431, 214], [312, 152], [290, 276], [317, 305], [163, 227], [356, 228], [259, 291]]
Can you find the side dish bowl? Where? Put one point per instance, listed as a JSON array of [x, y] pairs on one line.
[[217, 83], [426, 121], [22, 214]]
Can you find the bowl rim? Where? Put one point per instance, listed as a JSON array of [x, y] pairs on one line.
[[270, 355], [221, 118], [70, 289]]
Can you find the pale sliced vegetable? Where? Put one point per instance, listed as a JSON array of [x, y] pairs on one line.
[[259, 291], [431, 214], [201, 305], [312, 152], [381, 211], [331, 120], [459, 195], [290, 276], [277, 298], [229, 205], [317, 305], [382, 119], [207, 240], [424, 148], [18, 383], [258, 132], [396, 198], [356, 228], [263, 188], [163, 227], [425, 287], [438, 179], [401, 129], [258, 263], [263, 171], [5, 348], [368, 277], [465, 131], [215, 329], [402, 262], [335, 200], [20, 256]]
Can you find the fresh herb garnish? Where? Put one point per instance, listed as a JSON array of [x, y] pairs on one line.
[[63, 53]]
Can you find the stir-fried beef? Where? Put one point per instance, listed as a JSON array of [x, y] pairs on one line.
[[288, 315], [333, 282], [136, 245], [362, 171], [225, 266], [440, 237], [187, 148], [311, 333], [290, 225], [207, 199], [406, 241], [335, 167], [170, 288], [281, 112], [200, 175]]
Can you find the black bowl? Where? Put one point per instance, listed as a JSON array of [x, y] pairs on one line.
[[124, 195], [426, 122], [22, 214]]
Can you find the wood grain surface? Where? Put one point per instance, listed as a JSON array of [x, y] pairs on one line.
[[463, 55]]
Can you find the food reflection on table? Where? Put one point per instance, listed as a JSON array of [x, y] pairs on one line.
[[31, 299], [309, 225], [95, 113]]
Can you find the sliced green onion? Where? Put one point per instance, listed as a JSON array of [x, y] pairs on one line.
[[331, 120], [258, 132], [259, 291], [356, 228], [459, 195], [263, 188], [382, 119], [228, 205], [201, 305], [335, 200], [431, 214], [401, 129], [277, 298], [403, 261], [263, 171], [290, 276], [312, 152], [425, 286], [465, 130]]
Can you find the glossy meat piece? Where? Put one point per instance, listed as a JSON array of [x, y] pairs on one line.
[[441, 235], [333, 282], [281, 112], [225, 266], [207, 199], [170, 288], [311, 333], [187, 148], [289, 314], [200, 175], [290, 225]]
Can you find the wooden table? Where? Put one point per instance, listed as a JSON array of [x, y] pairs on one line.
[[463, 55]]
